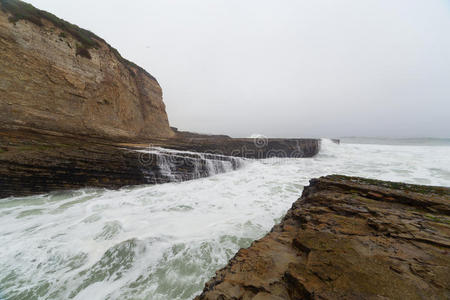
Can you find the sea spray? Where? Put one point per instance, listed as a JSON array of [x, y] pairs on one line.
[[165, 241], [174, 165]]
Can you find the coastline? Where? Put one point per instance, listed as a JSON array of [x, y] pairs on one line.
[[351, 238], [36, 161]]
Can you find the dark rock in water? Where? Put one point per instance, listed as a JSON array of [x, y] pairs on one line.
[[348, 238], [254, 148], [195, 135], [36, 161], [32, 162]]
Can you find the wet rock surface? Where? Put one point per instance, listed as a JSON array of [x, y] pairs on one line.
[[348, 238], [34, 162], [37, 161], [243, 147]]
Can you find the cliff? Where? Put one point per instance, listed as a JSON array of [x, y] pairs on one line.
[[58, 77], [348, 238], [72, 111]]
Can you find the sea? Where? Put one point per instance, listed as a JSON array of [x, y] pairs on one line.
[[165, 241]]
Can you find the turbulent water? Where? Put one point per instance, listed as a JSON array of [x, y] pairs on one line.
[[165, 241]]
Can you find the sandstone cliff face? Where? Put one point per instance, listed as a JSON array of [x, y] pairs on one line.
[[348, 238], [45, 84]]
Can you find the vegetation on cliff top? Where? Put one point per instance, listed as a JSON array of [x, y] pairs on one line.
[[23, 11], [20, 10]]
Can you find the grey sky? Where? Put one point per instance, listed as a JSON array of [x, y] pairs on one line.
[[286, 68]]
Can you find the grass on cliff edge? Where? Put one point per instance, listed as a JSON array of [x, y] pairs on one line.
[[20, 10], [23, 11]]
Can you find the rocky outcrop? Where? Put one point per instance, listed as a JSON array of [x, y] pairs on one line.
[[36, 161], [348, 238], [245, 147], [56, 76], [72, 111], [32, 162]]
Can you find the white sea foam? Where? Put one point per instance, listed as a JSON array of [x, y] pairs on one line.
[[164, 241]]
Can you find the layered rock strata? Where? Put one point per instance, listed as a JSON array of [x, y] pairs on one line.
[[243, 147], [32, 163], [36, 161], [56, 76], [348, 238]]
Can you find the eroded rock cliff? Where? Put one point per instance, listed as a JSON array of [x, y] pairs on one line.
[[348, 238], [58, 77], [74, 113]]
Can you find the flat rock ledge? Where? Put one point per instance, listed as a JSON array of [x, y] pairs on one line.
[[36, 161], [348, 238]]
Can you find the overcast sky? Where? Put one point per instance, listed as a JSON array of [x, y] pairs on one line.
[[318, 68]]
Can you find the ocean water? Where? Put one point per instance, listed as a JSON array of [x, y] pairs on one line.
[[165, 241]]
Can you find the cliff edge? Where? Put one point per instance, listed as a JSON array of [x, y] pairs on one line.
[[74, 113], [58, 77], [348, 238]]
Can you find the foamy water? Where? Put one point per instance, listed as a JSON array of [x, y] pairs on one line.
[[165, 241]]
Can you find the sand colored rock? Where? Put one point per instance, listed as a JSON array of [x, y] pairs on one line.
[[348, 238], [46, 84]]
